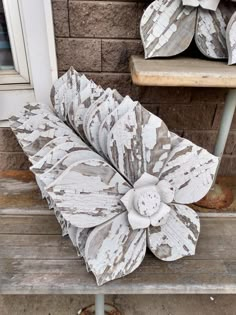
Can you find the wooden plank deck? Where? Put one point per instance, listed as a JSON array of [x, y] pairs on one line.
[[181, 71], [36, 259]]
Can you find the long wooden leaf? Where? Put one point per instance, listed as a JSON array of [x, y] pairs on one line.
[[167, 28]]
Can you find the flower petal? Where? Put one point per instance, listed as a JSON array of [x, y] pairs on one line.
[[114, 250], [211, 29], [138, 221], [205, 4], [88, 193], [63, 91], [166, 191], [163, 24], [139, 142], [126, 105], [97, 113], [190, 170], [178, 237], [161, 216]]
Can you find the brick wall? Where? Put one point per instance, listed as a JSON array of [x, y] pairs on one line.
[[97, 37]]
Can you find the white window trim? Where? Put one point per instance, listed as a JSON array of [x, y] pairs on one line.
[[37, 23], [15, 32]]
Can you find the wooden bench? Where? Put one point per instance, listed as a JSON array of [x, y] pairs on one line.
[[36, 259]]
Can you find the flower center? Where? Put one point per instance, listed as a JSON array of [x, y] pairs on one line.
[[146, 201]]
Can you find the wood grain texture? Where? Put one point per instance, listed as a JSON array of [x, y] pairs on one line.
[[51, 145], [182, 71], [231, 40], [210, 35], [110, 120], [48, 265], [88, 193], [190, 170], [167, 28], [114, 250], [139, 142], [178, 237], [63, 91], [96, 114]]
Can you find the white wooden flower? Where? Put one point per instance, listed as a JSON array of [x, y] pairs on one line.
[[128, 195], [168, 27]]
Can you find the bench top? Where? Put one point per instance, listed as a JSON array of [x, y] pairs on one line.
[[182, 71], [36, 259]]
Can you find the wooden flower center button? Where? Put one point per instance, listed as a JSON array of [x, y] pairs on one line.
[[147, 201]]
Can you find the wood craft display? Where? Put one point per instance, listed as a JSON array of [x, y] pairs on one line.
[[119, 185], [168, 27]]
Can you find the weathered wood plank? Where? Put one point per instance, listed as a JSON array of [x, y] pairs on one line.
[[29, 224], [182, 71], [83, 283]]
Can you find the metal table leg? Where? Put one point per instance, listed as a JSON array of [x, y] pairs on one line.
[[226, 121], [220, 196], [99, 304]]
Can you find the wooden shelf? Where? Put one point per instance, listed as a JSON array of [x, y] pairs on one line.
[[36, 259], [182, 72]]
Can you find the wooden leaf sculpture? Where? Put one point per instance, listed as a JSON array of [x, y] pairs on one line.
[[211, 27], [167, 28], [129, 194], [231, 39]]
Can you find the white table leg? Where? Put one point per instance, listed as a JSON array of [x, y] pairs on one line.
[[226, 121], [99, 304]]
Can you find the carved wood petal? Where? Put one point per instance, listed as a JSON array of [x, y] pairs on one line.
[[205, 4], [88, 193], [231, 39], [139, 142], [178, 237], [51, 145], [167, 28], [97, 113], [63, 91], [190, 170], [114, 250], [210, 35], [109, 121]]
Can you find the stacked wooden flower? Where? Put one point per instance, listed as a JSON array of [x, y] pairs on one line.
[[168, 26], [117, 179]]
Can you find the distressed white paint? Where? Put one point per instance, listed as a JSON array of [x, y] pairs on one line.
[[178, 237], [205, 4], [105, 217], [147, 202], [114, 250], [231, 39], [138, 143], [190, 170], [210, 35], [110, 120], [167, 28], [97, 113], [88, 192]]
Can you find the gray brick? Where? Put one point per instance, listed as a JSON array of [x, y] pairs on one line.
[[82, 54], [116, 54], [60, 18], [103, 19]]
